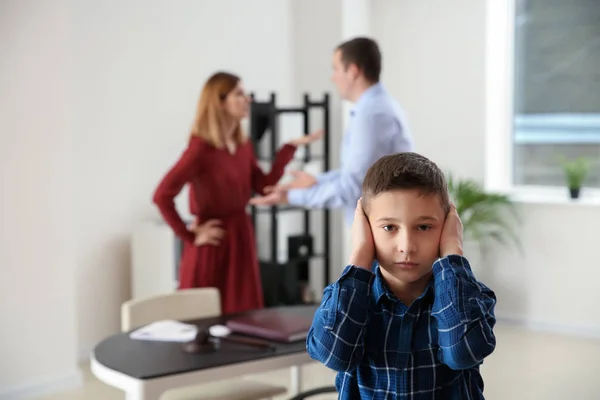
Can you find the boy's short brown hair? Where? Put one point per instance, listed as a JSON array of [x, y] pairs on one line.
[[405, 171]]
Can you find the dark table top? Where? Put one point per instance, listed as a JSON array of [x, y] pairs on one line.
[[143, 359]]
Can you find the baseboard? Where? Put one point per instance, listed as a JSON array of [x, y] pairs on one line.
[[45, 387], [584, 331]]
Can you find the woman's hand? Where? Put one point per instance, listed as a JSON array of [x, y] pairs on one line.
[[306, 139], [301, 180], [209, 232]]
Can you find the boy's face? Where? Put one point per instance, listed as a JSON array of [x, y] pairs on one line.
[[407, 227]]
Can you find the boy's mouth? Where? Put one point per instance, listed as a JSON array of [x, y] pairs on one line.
[[407, 264]]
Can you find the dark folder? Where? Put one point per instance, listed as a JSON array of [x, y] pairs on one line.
[[272, 324]]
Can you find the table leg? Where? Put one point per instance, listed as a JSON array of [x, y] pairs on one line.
[[295, 380]]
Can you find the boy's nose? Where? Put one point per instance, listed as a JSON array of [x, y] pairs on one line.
[[406, 244]]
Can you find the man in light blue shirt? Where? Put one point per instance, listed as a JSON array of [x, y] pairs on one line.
[[377, 127]]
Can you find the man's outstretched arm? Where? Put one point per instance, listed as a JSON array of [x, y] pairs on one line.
[[371, 139]]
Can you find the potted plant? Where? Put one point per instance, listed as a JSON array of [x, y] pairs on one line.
[[575, 173], [486, 217]]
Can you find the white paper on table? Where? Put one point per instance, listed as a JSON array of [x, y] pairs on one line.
[[166, 331]]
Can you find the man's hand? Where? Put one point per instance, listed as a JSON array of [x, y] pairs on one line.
[[273, 198], [301, 180], [306, 139], [363, 248], [451, 241]]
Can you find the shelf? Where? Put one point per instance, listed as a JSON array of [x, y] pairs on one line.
[[281, 285]]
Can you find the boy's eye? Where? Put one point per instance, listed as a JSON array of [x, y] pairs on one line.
[[424, 227], [389, 228]]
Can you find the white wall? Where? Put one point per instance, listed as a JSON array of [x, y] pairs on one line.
[[37, 258], [96, 101], [553, 286], [139, 74], [434, 63]]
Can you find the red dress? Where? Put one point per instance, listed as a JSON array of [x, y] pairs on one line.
[[221, 185]]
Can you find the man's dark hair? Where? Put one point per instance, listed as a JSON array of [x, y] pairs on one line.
[[405, 171], [364, 53]]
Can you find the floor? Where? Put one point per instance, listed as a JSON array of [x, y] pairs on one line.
[[526, 365]]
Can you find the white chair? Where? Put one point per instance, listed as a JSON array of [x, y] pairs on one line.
[[185, 305]]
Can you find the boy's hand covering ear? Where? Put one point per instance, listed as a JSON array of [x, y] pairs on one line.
[[363, 249], [451, 241]]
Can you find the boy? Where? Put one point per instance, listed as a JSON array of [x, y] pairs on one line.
[[415, 324]]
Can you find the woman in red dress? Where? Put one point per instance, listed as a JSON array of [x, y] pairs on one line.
[[220, 166]]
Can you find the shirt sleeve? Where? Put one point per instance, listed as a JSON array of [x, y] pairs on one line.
[[171, 184], [337, 335], [260, 179], [328, 176], [372, 136], [464, 310]]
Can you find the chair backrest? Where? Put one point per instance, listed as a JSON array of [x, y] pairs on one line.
[[181, 305]]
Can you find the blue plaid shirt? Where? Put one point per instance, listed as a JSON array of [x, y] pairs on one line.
[[383, 349]]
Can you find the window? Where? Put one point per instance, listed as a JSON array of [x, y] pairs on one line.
[[556, 98]]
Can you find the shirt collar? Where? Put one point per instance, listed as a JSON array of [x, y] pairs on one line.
[[382, 291], [366, 96]]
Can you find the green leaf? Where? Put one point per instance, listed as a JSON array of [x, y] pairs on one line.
[[576, 171], [486, 217]]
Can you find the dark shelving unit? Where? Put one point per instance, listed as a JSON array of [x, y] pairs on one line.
[[283, 281]]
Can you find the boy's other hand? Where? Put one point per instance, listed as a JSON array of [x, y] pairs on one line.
[[451, 241], [363, 250]]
